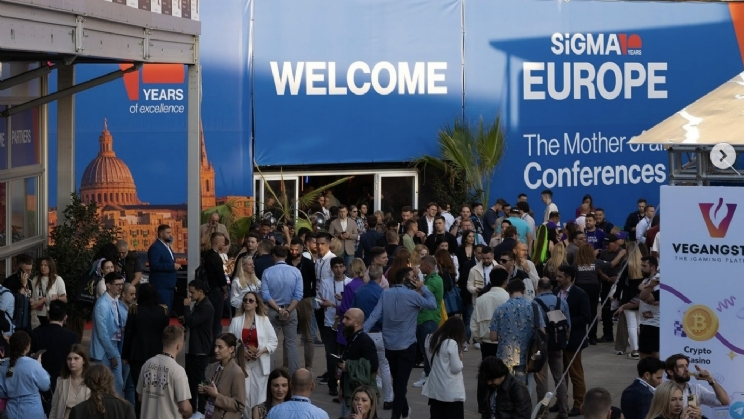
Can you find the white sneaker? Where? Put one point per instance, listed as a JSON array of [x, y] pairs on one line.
[[408, 415], [420, 383], [464, 347], [476, 345]]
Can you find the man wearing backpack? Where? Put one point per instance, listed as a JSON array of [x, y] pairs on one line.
[[557, 324]]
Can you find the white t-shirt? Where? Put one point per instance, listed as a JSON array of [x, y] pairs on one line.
[[645, 307], [328, 289], [40, 291], [704, 396], [162, 384]]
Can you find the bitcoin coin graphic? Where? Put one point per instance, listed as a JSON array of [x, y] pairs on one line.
[[700, 323]]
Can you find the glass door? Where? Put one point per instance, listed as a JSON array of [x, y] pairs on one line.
[[276, 196], [395, 190]]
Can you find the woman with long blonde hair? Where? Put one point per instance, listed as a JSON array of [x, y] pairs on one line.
[[629, 281], [243, 281], [668, 404], [558, 257]]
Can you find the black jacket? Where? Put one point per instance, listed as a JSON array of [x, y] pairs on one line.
[[636, 401], [143, 332], [57, 341], [505, 246], [633, 219], [512, 400], [130, 265], [578, 308], [262, 263], [116, 408], [307, 270], [367, 241], [432, 242], [358, 347], [199, 323], [215, 269]]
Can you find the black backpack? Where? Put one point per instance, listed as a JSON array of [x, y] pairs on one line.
[[21, 312], [537, 351], [556, 326]]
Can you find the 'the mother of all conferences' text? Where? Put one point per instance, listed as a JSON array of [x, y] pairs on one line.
[[537, 176]]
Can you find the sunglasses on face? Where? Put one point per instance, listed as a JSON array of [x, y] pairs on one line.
[[505, 260], [249, 300]]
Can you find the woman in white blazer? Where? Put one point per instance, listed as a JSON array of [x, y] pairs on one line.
[[445, 387], [253, 328], [71, 389]]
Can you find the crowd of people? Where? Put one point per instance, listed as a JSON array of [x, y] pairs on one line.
[[382, 294]]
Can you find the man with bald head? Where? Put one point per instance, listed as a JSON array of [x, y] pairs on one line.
[[359, 360], [299, 406]]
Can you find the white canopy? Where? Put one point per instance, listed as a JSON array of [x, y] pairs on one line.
[[717, 117]]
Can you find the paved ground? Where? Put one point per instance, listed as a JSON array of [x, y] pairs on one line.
[[601, 368]]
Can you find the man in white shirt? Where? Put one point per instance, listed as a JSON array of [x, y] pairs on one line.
[[448, 218], [648, 337], [645, 223], [481, 320], [677, 369], [547, 199], [656, 247], [330, 292], [163, 387]]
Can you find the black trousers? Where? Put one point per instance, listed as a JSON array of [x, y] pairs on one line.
[[446, 410], [487, 349], [328, 336], [606, 310], [196, 368], [401, 365], [216, 297], [593, 291], [135, 368]]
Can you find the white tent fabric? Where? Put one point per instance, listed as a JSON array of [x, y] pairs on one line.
[[717, 117]]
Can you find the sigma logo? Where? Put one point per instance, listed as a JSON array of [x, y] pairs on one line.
[[155, 93], [565, 77], [596, 44], [160, 74]]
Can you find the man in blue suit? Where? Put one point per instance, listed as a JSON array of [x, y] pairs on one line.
[[109, 318], [163, 266]]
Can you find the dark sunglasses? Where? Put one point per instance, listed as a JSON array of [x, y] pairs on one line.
[[505, 260], [249, 300]]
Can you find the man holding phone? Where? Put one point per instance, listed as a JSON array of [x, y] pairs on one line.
[[398, 308]]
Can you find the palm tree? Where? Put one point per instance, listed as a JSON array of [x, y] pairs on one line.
[[469, 154], [237, 227]]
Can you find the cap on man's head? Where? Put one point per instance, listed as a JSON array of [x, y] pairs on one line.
[[514, 210], [623, 235], [611, 238]]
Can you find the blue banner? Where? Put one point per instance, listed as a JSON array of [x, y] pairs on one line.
[[350, 81], [576, 88]]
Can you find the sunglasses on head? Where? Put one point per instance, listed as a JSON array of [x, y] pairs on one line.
[[249, 300]]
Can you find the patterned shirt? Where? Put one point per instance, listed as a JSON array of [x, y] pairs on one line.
[[513, 322]]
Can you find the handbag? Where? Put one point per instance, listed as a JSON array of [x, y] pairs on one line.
[[442, 315], [451, 296], [537, 352]]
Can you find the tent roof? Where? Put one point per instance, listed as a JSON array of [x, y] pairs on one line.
[[715, 118]]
